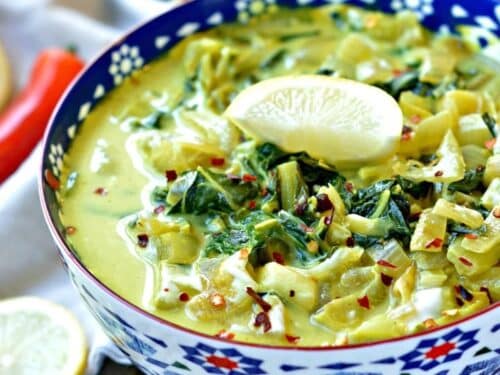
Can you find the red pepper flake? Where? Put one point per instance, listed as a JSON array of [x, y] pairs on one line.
[[142, 240], [101, 191], [465, 261], [397, 72], [166, 290], [306, 228], [171, 175], [183, 297], [386, 279], [464, 293], [264, 192], [258, 299], [496, 212], [471, 236], [247, 177], [480, 168], [217, 300], [487, 291], [459, 301], [436, 242], [252, 204], [324, 203], [439, 173], [384, 263], [292, 339], [405, 136], [262, 319], [300, 208], [291, 293], [350, 242], [349, 186], [406, 133], [328, 219], [70, 230], [217, 162], [415, 119], [278, 257], [159, 209], [52, 181], [223, 334], [490, 143], [364, 302], [415, 216], [244, 253]]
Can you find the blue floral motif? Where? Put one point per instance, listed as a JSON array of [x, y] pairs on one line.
[[489, 366], [338, 366], [222, 361], [430, 353]]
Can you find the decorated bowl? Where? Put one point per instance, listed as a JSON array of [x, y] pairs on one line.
[[155, 346]]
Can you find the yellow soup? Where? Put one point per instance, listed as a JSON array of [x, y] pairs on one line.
[[179, 212]]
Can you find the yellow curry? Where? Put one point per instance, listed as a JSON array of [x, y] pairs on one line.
[[176, 209]]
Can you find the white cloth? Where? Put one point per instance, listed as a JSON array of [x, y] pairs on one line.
[[29, 264]]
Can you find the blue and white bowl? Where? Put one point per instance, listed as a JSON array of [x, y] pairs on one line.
[[470, 346]]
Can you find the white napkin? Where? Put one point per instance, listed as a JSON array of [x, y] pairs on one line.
[[29, 264]]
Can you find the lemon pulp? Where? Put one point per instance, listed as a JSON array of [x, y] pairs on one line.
[[38, 337]]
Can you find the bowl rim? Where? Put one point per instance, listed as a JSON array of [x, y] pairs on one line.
[[64, 248]]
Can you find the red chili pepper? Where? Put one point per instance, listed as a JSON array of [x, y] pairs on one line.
[[223, 334], [465, 261], [23, 123], [262, 319], [386, 279], [415, 119], [485, 289], [171, 175], [364, 302], [384, 263], [490, 144], [217, 162], [439, 173], [278, 257], [436, 242], [471, 236], [247, 177], [292, 339], [70, 230]]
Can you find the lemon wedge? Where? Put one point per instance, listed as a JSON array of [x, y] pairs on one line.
[[38, 337], [343, 122], [5, 78]]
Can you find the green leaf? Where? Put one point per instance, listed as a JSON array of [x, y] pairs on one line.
[[490, 123], [473, 180]]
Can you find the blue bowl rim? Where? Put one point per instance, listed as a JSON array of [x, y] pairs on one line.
[[63, 246]]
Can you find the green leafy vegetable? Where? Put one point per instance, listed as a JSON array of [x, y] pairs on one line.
[[490, 123], [201, 191], [472, 181]]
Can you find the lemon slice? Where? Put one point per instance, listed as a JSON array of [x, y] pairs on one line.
[[40, 338], [5, 79], [342, 122]]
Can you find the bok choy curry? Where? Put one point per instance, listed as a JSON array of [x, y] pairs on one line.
[[176, 209]]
